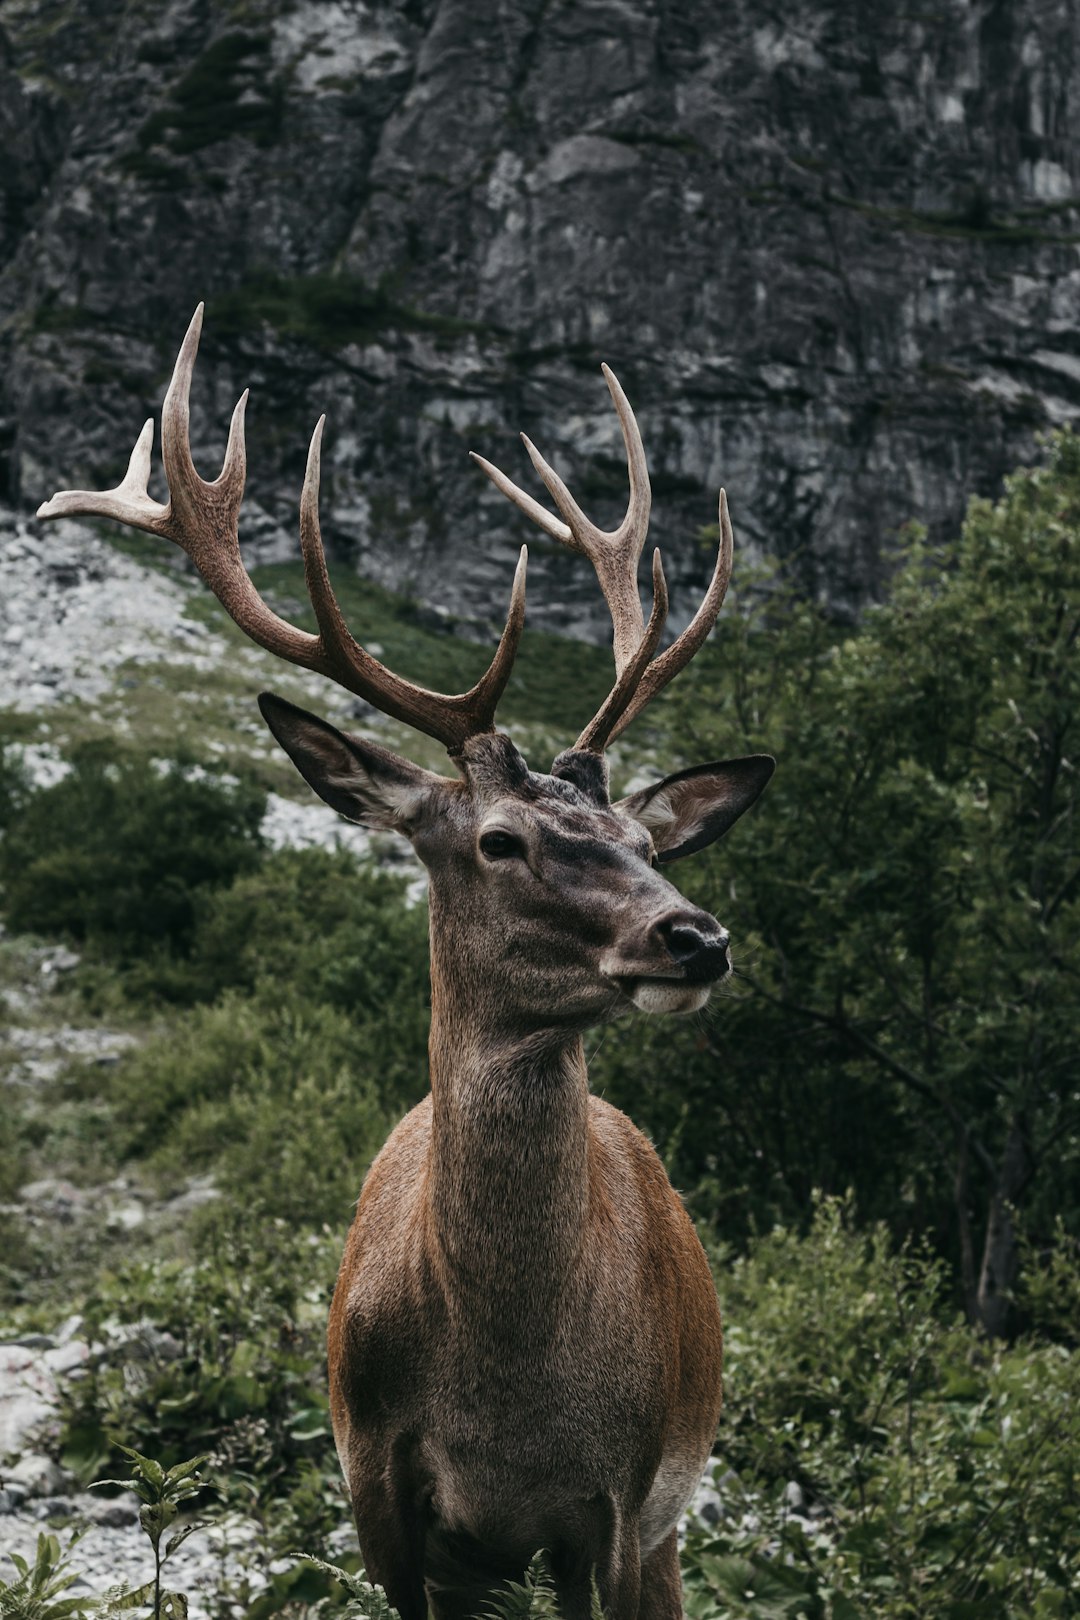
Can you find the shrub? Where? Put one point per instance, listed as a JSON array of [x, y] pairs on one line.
[[222, 1351], [14, 786], [118, 853], [323, 926], [942, 1471], [281, 1101]]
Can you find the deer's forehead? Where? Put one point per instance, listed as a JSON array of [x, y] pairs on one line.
[[566, 822]]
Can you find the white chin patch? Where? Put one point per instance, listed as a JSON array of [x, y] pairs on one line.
[[663, 996]]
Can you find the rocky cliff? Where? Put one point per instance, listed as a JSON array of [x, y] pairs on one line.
[[830, 248]]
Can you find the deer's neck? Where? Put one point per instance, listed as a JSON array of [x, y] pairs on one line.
[[509, 1187]]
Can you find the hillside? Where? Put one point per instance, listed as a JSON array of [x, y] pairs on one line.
[[831, 252]]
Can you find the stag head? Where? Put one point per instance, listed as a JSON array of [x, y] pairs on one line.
[[549, 908]]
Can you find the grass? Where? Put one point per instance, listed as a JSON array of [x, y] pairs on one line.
[[169, 707], [554, 679], [970, 225]]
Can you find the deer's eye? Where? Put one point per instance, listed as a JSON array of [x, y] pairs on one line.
[[500, 846]]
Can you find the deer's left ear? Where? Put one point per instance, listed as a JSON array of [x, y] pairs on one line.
[[694, 808], [355, 777]]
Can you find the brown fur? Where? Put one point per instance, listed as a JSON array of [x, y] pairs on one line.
[[510, 1370], [524, 1343]]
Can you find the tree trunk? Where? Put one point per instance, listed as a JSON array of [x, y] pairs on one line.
[[962, 1203], [999, 1260]]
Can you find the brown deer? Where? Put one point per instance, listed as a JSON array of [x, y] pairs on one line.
[[524, 1341]]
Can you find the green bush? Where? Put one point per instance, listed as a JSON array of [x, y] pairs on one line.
[[312, 1040], [119, 852], [226, 1355], [14, 787], [904, 903], [942, 1471], [280, 1101], [320, 927]]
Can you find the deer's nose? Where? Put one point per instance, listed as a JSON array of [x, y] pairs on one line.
[[697, 944]]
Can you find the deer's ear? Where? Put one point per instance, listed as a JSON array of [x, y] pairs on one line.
[[357, 778], [693, 808]]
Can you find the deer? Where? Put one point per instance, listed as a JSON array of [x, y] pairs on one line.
[[524, 1344]]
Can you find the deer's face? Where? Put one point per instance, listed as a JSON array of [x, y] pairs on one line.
[[548, 905]]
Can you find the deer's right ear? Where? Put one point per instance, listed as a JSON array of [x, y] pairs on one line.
[[356, 778]]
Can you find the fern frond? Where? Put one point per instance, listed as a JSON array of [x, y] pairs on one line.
[[530, 1599]]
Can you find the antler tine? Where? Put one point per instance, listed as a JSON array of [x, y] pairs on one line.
[[202, 518], [683, 648], [128, 502], [604, 724], [614, 554], [452, 720]]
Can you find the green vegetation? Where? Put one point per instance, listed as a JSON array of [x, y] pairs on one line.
[[120, 852], [223, 95], [944, 1470], [906, 904], [878, 1127], [325, 310], [975, 223], [38, 1587], [33, 1594]]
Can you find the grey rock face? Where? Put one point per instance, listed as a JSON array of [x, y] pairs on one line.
[[830, 249]]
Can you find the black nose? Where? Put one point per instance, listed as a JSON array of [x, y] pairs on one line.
[[698, 945]]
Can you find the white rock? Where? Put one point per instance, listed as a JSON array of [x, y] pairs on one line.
[[125, 1217], [27, 1396], [40, 1475], [66, 1357], [54, 1196]]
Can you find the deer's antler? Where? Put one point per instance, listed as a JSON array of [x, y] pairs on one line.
[[202, 518], [614, 556]]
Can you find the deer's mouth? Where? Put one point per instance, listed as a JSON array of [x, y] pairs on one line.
[[663, 995]]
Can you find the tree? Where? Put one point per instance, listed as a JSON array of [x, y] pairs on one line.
[[909, 888]]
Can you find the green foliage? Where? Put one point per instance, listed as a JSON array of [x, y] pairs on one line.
[[324, 309], [532, 1598], [14, 788], [1050, 1285], [36, 1592], [365, 1601], [904, 904], [226, 93], [227, 1355], [943, 1473], [317, 925], [118, 852], [162, 1493], [287, 1084], [284, 1102]]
